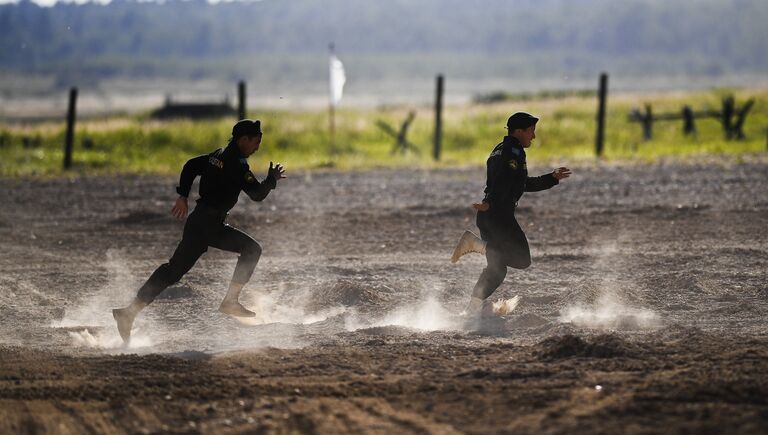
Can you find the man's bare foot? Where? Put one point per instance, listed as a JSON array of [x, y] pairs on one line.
[[234, 308]]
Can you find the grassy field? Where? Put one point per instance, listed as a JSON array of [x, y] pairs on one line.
[[300, 140]]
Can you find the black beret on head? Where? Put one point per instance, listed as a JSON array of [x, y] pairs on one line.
[[521, 120], [246, 127]]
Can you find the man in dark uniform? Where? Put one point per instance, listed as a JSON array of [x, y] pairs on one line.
[[223, 174], [501, 238]]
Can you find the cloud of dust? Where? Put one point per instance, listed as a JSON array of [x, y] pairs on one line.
[[94, 311], [187, 323], [502, 307], [276, 307], [609, 309], [85, 339], [610, 312], [426, 315]]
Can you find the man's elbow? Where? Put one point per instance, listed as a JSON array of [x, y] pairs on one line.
[[257, 196]]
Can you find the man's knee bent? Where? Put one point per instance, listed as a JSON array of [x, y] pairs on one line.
[[521, 260], [524, 263], [251, 252]]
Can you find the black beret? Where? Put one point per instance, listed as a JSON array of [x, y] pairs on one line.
[[521, 120], [246, 127]]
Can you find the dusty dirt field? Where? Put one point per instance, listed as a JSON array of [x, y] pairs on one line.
[[645, 309]]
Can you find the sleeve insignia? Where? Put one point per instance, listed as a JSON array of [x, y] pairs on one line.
[[513, 164], [216, 162], [249, 178]]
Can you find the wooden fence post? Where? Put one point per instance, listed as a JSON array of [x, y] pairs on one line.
[[648, 123], [438, 117], [241, 100], [728, 108], [70, 136], [602, 92], [741, 116], [689, 126]]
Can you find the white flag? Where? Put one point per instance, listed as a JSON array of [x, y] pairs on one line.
[[338, 78]]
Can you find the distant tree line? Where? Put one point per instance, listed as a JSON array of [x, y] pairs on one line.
[[128, 37]]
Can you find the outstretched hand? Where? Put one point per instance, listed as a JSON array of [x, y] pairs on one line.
[[180, 208], [277, 171], [561, 173]]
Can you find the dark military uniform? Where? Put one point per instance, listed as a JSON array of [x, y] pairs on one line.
[[223, 174], [506, 243]]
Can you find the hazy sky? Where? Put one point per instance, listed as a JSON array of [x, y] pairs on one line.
[[40, 2], [51, 2]]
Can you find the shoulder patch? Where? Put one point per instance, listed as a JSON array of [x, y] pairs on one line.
[[513, 164], [216, 162], [216, 158], [249, 178]]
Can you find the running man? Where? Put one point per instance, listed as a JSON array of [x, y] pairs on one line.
[[502, 241], [223, 174]]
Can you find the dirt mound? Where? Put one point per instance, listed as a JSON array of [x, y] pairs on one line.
[[601, 346]]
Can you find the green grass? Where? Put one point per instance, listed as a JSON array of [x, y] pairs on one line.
[[300, 139]]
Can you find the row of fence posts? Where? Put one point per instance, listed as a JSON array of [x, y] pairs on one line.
[[602, 96], [241, 113], [437, 139], [601, 111], [731, 117]]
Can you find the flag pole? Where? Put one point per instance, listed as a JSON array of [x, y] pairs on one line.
[[332, 120]]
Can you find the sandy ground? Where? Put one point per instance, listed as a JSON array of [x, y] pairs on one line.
[[645, 309]]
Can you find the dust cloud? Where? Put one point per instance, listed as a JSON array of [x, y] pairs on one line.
[[94, 313], [425, 315], [608, 307], [610, 312], [502, 307], [277, 307]]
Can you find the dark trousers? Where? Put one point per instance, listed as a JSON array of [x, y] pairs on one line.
[[506, 246], [204, 227]]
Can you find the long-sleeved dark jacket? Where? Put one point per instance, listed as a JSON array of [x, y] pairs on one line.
[[223, 174], [508, 177]]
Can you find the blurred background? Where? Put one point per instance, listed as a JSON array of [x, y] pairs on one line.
[[129, 57], [131, 53]]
